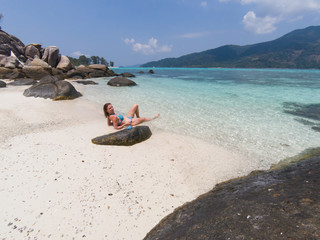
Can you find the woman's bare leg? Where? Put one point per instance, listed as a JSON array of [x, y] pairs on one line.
[[137, 121], [134, 110]]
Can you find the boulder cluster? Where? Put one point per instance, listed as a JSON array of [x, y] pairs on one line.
[[35, 62]]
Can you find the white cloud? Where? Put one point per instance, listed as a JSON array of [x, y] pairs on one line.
[[284, 7], [148, 48], [259, 25], [204, 4], [194, 35], [78, 54], [272, 12]]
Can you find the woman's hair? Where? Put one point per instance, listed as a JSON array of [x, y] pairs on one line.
[[105, 109]]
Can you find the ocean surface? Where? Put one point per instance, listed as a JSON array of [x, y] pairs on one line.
[[242, 110]]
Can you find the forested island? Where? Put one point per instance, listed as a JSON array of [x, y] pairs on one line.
[[297, 49]]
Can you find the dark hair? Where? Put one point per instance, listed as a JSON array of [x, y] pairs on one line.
[[105, 109]]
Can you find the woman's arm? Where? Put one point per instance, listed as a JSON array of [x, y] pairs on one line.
[[109, 121], [115, 122], [116, 126]]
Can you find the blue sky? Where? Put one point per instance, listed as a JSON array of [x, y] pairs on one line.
[[132, 32]]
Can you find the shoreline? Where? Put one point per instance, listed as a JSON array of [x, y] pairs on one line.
[[56, 184]]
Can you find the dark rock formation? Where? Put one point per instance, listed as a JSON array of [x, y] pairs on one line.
[[309, 113], [10, 43], [4, 72], [36, 72], [120, 82], [126, 74], [23, 81], [151, 71], [58, 73], [124, 137], [10, 62], [51, 55], [32, 51], [2, 84], [88, 82], [33, 61], [283, 203], [15, 74], [51, 87], [100, 67], [64, 64]]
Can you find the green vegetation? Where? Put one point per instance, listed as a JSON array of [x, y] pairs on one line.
[[83, 60], [297, 49]]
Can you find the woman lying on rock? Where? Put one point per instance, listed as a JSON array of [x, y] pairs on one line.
[[119, 121]]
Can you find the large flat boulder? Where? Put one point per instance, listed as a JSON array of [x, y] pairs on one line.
[[124, 137], [23, 82], [51, 87], [121, 82], [98, 67], [36, 72], [283, 203]]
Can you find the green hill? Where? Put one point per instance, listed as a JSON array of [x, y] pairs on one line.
[[297, 49]]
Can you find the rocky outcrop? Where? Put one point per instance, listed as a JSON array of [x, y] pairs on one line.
[[23, 81], [101, 67], [127, 74], [88, 82], [36, 72], [10, 43], [282, 203], [64, 64], [32, 51], [124, 137], [51, 55], [51, 87], [38, 62], [2, 84], [33, 61], [120, 82]]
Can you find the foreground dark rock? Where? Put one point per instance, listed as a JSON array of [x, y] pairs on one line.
[[2, 84], [124, 137], [121, 82], [51, 87], [283, 203]]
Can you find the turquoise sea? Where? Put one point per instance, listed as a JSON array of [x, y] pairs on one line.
[[242, 110]]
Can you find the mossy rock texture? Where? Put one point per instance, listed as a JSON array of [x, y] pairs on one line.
[[124, 137], [282, 203]]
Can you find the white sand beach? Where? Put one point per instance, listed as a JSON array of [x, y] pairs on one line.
[[56, 184]]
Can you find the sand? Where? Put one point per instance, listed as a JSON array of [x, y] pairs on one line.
[[56, 184]]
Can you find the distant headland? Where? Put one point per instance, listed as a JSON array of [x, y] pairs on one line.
[[298, 49]]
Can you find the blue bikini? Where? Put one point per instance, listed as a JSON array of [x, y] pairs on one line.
[[121, 117]]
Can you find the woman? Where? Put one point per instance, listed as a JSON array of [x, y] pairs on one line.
[[118, 121]]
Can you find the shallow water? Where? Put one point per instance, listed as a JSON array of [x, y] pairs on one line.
[[239, 109]]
